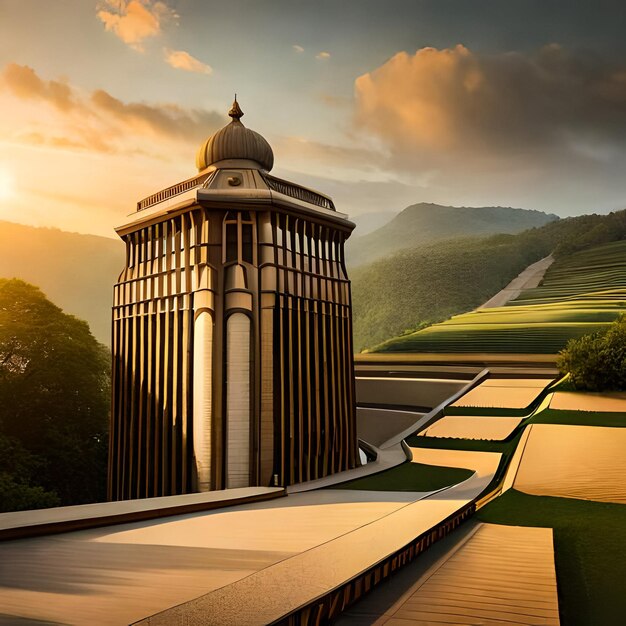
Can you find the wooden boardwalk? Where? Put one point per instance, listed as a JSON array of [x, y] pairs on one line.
[[497, 575]]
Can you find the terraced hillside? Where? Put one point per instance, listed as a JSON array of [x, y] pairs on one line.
[[579, 294]]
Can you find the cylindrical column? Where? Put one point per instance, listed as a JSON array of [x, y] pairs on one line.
[[203, 397], [238, 400]]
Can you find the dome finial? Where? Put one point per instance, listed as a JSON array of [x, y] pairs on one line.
[[235, 111]]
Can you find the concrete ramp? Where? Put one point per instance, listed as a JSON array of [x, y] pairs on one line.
[[497, 575]]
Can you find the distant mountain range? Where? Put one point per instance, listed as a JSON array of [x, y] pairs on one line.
[[426, 223], [369, 222], [77, 272]]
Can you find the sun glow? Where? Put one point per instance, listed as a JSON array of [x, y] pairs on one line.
[[7, 185]]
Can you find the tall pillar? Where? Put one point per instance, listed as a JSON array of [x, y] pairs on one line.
[[238, 400], [203, 398]]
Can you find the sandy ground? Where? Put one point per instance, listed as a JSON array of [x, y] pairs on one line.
[[503, 393], [603, 402], [529, 278], [484, 464], [470, 427], [584, 462], [495, 575]]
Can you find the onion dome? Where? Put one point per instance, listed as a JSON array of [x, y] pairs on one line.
[[235, 141]]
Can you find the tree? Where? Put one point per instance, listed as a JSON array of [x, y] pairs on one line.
[[597, 362], [17, 469], [54, 396]]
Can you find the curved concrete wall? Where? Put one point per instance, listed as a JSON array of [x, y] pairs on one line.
[[375, 426], [406, 392]]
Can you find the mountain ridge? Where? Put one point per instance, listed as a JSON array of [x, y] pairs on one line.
[[427, 222], [72, 269]]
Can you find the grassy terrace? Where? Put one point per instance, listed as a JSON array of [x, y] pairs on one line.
[[590, 549], [579, 418], [506, 448], [409, 477], [580, 294]]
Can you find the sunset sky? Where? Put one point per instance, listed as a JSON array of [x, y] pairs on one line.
[[379, 104]]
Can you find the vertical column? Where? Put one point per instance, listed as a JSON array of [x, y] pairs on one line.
[[203, 397], [238, 400]]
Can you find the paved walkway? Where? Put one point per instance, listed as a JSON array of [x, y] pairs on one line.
[[289, 584], [117, 575], [19, 524], [249, 564], [528, 279], [494, 575]]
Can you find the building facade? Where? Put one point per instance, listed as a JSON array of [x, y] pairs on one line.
[[232, 331]]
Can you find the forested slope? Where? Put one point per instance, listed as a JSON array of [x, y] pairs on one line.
[[416, 288]]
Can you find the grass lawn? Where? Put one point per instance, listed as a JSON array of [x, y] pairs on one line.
[[590, 551], [452, 443], [492, 411], [578, 418], [409, 477]]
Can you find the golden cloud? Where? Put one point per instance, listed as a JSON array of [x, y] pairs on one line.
[[101, 122], [134, 21], [323, 56], [55, 141], [437, 105], [181, 60], [24, 83], [168, 120], [294, 149]]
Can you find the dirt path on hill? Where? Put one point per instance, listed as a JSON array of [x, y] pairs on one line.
[[529, 278]]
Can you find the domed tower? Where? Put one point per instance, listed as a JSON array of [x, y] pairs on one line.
[[232, 331]]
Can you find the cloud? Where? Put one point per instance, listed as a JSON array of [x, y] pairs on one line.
[[24, 83], [332, 157], [182, 60], [134, 21], [298, 49], [442, 106], [168, 120], [55, 141], [100, 122], [323, 56], [335, 101]]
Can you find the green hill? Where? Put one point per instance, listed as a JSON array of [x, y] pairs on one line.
[[416, 288], [424, 223], [580, 294], [75, 271]]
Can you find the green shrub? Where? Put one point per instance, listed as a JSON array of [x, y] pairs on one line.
[[597, 362]]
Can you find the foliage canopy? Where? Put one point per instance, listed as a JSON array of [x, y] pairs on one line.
[[597, 362], [54, 403]]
